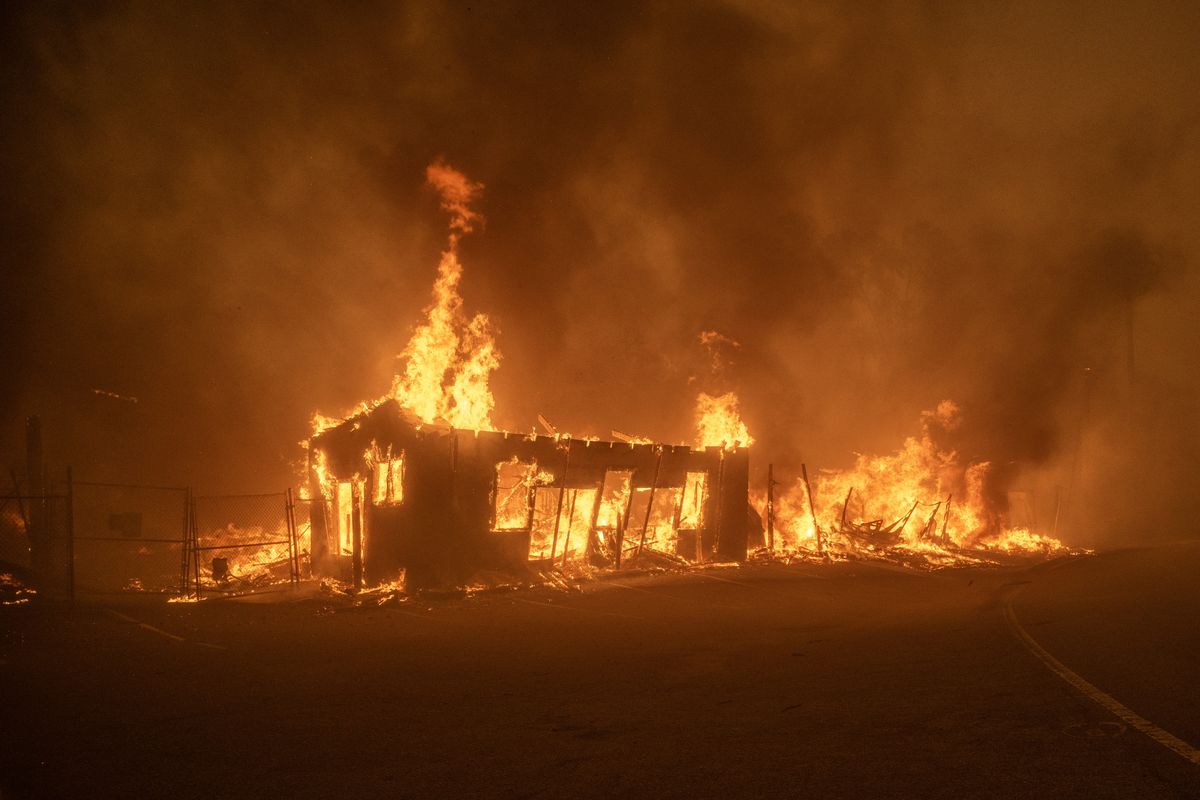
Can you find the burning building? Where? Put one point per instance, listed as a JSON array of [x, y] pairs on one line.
[[444, 504], [421, 481]]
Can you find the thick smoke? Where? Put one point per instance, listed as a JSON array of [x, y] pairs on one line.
[[218, 209]]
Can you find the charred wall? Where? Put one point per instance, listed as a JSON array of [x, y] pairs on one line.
[[442, 532]]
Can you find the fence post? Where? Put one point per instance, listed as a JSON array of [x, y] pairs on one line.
[[290, 510], [195, 538], [184, 545], [287, 523]]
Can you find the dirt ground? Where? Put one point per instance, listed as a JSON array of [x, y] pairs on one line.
[[847, 680]]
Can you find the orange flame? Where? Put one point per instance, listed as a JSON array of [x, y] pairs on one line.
[[921, 498], [718, 419], [449, 359], [719, 422]]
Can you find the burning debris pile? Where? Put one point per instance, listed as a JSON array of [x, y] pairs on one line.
[[14, 591], [920, 503]]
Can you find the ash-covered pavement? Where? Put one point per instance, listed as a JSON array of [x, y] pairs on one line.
[[847, 680]]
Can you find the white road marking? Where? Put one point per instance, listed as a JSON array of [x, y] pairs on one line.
[[724, 580], [1122, 712], [428, 616], [160, 632], [575, 608], [660, 594]]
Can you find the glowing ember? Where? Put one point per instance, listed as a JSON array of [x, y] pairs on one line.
[[1017, 540], [13, 592]]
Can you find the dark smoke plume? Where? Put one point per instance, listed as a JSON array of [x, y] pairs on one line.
[[218, 209]]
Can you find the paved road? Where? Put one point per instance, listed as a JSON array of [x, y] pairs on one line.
[[850, 680]]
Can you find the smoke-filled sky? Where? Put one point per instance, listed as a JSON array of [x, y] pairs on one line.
[[219, 209]]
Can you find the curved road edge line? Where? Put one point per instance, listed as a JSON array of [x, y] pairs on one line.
[[1123, 712]]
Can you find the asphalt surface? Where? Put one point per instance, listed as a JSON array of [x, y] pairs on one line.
[[847, 680]]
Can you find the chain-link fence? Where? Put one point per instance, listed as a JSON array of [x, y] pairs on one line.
[[79, 537], [35, 541], [128, 538], [243, 543], [15, 508]]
